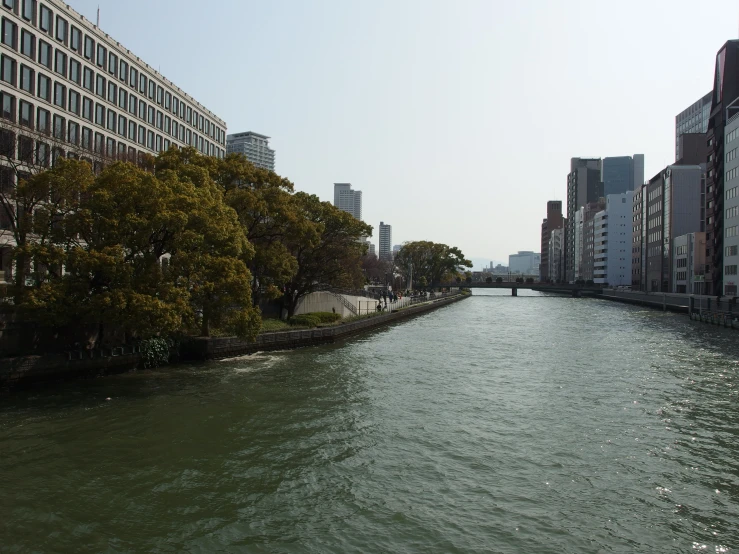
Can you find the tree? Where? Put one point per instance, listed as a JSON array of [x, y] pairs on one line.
[[331, 255], [438, 263], [499, 279], [489, 280]]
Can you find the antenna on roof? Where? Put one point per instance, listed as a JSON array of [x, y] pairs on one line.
[[98, 20]]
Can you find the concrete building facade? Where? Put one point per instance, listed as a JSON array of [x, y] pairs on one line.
[[669, 207], [583, 185], [69, 89], [587, 261], [731, 201], [348, 200], [254, 146], [688, 263], [556, 255], [386, 241], [524, 262], [612, 236], [693, 119]]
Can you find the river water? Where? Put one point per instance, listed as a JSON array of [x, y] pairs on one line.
[[497, 424]]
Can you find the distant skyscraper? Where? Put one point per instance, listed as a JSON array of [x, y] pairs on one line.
[[693, 119], [386, 240], [622, 174], [584, 186], [254, 146], [372, 250], [347, 199], [553, 221]]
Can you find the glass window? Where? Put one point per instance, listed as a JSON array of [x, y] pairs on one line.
[[44, 87], [9, 33], [110, 147], [89, 47], [132, 104], [142, 84], [25, 110], [44, 53], [28, 44], [7, 106], [29, 10], [112, 92], [166, 144], [112, 64], [87, 108], [43, 121], [60, 62], [60, 95], [167, 124], [142, 110], [7, 69], [99, 143], [60, 127], [61, 29], [100, 86], [160, 95], [150, 115], [182, 110], [160, 120], [73, 133], [27, 79], [167, 101], [10, 4], [123, 73], [75, 39], [102, 56], [42, 154], [45, 22], [200, 124], [175, 126], [132, 130], [74, 102], [142, 135], [121, 125], [88, 80], [100, 115], [74, 71], [158, 143], [152, 89], [150, 140], [122, 99], [111, 122], [189, 114], [86, 138], [133, 78], [175, 105]]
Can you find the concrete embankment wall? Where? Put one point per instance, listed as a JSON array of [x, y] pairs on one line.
[[225, 347], [658, 300], [24, 370], [328, 302]]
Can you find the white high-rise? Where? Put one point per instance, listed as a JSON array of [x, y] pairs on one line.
[[347, 199], [612, 237], [254, 146], [386, 241]]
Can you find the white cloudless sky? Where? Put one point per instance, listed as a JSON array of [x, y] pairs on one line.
[[457, 120]]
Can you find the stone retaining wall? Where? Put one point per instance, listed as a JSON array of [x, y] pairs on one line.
[[226, 347]]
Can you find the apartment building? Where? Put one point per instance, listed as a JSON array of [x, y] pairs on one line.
[[254, 147], [612, 236]]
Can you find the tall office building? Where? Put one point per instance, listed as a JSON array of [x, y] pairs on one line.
[[731, 202], [584, 185], [386, 240], [69, 89], [348, 200], [667, 207], [613, 229], [553, 221], [254, 146], [719, 181], [525, 262], [693, 119], [622, 174], [555, 256]]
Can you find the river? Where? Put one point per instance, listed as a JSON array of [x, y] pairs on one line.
[[497, 424]]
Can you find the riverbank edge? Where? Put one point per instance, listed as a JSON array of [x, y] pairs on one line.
[[27, 370], [655, 300], [215, 348]]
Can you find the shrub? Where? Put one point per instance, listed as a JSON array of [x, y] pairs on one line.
[[489, 280], [499, 279], [326, 317], [155, 352], [529, 280], [304, 320], [589, 283]]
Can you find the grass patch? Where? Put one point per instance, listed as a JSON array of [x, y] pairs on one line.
[[275, 325]]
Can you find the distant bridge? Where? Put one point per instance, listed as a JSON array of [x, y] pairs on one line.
[[576, 291]]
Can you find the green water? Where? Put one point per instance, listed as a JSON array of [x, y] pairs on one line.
[[497, 424]]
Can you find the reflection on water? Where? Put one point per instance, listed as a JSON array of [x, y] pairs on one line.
[[498, 424]]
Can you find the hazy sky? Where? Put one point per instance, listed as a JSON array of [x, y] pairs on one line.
[[457, 120]]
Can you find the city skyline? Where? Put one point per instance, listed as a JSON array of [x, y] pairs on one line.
[[309, 107]]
